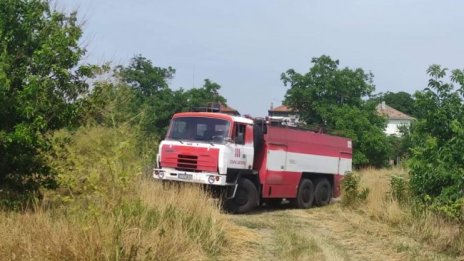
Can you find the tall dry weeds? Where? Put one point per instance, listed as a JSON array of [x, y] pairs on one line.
[[180, 223], [382, 205], [106, 210]]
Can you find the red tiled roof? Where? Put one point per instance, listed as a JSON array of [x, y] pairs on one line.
[[228, 110], [392, 113], [281, 108]]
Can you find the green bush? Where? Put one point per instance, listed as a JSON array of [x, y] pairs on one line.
[[437, 162], [353, 195], [399, 188], [41, 83], [94, 164]]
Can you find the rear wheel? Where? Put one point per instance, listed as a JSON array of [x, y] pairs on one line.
[[322, 192], [245, 200], [305, 195]]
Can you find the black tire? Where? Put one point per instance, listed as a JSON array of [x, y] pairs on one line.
[[305, 195], [322, 192], [273, 202], [246, 198]]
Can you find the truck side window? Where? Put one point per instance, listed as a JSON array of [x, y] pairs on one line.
[[239, 135]]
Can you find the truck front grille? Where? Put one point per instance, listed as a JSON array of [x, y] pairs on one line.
[[187, 162]]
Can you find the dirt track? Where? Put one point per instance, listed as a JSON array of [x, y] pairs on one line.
[[329, 233]]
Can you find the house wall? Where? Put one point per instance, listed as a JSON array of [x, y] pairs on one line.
[[393, 126]]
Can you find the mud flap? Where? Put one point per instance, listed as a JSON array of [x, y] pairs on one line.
[[231, 190]]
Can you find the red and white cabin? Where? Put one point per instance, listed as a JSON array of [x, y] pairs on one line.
[[253, 162]]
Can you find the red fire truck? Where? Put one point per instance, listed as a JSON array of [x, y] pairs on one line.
[[253, 161]]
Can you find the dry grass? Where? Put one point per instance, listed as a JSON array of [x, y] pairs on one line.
[[283, 236], [379, 204], [105, 210], [440, 234], [294, 244], [161, 224]]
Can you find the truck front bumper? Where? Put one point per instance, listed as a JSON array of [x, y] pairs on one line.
[[191, 177]]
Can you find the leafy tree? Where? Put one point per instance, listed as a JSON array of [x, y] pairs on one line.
[[332, 99], [200, 97], [437, 162], [40, 82], [111, 104], [324, 86], [147, 79], [400, 146], [155, 101], [365, 128]]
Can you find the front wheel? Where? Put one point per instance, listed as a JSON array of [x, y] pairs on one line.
[[246, 198]]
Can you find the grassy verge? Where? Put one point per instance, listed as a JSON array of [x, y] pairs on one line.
[[106, 210], [388, 202], [158, 223]]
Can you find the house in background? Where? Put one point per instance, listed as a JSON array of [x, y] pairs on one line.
[[395, 118], [228, 110], [284, 115], [217, 107]]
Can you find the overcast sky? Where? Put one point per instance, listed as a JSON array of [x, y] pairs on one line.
[[245, 45]]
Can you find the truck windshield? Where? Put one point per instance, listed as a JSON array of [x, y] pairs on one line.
[[199, 129]]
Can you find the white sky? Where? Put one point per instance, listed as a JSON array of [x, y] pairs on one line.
[[245, 45]]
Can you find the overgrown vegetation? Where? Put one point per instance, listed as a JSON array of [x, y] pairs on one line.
[[104, 209], [399, 189], [94, 165], [73, 158], [158, 224], [352, 194], [437, 162], [40, 85], [332, 99], [390, 201]]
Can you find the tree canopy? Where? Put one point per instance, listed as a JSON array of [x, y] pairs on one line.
[[333, 99], [144, 77], [200, 97], [314, 93], [40, 82], [437, 162], [154, 101]]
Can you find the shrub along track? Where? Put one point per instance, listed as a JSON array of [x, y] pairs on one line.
[[329, 233]]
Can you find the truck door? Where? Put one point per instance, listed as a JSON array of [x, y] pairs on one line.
[[242, 150]]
